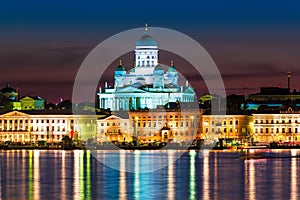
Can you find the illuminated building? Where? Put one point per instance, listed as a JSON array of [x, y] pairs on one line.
[[113, 128], [146, 85], [232, 127], [49, 126], [164, 124], [283, 126], [32, 103]]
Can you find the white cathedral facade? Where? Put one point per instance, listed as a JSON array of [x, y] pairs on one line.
[[146, 85]]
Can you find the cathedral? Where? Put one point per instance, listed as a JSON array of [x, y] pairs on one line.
[[147, 84]]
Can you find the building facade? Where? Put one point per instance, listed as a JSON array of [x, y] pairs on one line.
[[229, 127], [147, 84], [278, 127], [31, 127]]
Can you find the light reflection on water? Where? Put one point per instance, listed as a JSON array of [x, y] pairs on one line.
[[77, 174]]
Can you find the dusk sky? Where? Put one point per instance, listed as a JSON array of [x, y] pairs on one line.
[[43, 43]]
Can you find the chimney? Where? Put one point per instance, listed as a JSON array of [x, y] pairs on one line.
[[289, 80]]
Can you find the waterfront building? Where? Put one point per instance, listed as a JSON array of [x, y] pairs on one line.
[[48, 126], [229, 127], [146, 85], [113, 128], [281, 126], [170, 123]]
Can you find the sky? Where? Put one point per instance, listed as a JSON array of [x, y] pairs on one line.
[[43, 43]]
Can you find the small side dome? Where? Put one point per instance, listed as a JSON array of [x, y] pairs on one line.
[[120, 67], [172, 68], [158, 68]]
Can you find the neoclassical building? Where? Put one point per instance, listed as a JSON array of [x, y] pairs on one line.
[[50, 126], [147, 84], [279, 127]]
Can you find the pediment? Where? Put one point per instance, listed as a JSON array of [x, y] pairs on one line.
[[14, 113]]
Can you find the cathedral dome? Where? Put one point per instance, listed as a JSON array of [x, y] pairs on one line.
[[146, 40], [158, 68], [120, 67], [172, 68]]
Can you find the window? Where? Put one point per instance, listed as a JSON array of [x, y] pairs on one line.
[[224, 122], [277, 130], [225, 130], [236, 122], [256, 121], [283, 130], [261, 130], [267, 130], [267, 121], [230, 122]]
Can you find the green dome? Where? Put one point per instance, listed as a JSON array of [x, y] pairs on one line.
[[172, 69], [120, 68], [158, 67], [146, 40]]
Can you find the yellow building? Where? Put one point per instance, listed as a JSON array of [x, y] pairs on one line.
[[49, 126], [113, 128], [280, 127], [229, 127], [168, 125]]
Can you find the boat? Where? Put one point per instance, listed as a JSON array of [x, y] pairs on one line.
[[266, 155]]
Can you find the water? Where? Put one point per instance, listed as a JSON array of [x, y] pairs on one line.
[[77, 174]]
